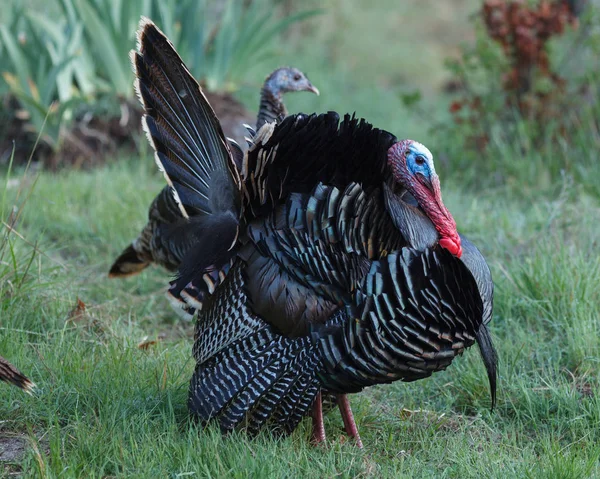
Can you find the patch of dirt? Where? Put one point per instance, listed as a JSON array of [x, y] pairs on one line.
[[232, 115], [586, 390], [582, 383], [96, 136], [12, 447], [15, 132], [92, 138]]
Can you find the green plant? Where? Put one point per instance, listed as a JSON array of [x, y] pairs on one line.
[[64, 42], [65, 70], [219, 49], [514, 55], [109, 27], [17, 255], [516, 98], [35, 72]]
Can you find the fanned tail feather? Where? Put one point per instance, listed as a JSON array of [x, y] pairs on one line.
[[183, 129]]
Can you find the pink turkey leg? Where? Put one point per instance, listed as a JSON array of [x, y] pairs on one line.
[[318, 433], [348, 418]]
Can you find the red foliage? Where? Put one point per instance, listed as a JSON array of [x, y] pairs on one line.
[[523, 31]]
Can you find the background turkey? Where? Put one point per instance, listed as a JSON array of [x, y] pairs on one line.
[[168, 235], [332, 263]]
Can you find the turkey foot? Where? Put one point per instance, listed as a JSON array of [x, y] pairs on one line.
[[348, 418]]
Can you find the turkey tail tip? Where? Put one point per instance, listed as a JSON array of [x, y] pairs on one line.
[[490, 359], [145, 27], [12, 375], [127, 264], [27, 385]]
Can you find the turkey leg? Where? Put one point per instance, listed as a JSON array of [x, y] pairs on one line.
[[318, 432], [348, 418]]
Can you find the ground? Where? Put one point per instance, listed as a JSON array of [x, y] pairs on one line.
[[107, 405], [112, 370]]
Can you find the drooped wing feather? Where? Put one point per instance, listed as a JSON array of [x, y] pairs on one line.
[[480, 270]]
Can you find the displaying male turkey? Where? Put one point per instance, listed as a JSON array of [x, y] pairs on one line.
[[12, 375], [330, 265], [168, 235]]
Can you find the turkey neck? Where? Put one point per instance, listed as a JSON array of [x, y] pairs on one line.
[[271, 106]]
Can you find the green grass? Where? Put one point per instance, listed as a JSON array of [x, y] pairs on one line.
[[106, 408]]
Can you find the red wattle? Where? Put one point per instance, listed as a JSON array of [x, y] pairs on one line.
[[451, 245]]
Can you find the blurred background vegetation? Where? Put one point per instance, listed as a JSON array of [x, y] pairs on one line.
[[440, 72], [506, 95]]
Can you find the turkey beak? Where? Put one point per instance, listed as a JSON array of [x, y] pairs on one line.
[[313, 89]]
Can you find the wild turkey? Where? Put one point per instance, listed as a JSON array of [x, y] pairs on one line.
[[12, 375], [330, 265], [282, 80], [167, 235]]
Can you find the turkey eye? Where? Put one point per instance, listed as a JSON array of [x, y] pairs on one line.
[[296, 77], [419, 160]]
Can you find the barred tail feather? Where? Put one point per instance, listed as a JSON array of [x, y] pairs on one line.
[[190, 147], [12, 375], [288, 400], [127, 264], [250, 383], [297, 401]]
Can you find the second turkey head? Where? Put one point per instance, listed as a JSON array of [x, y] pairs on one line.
[[288, 79], [412, 168]]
